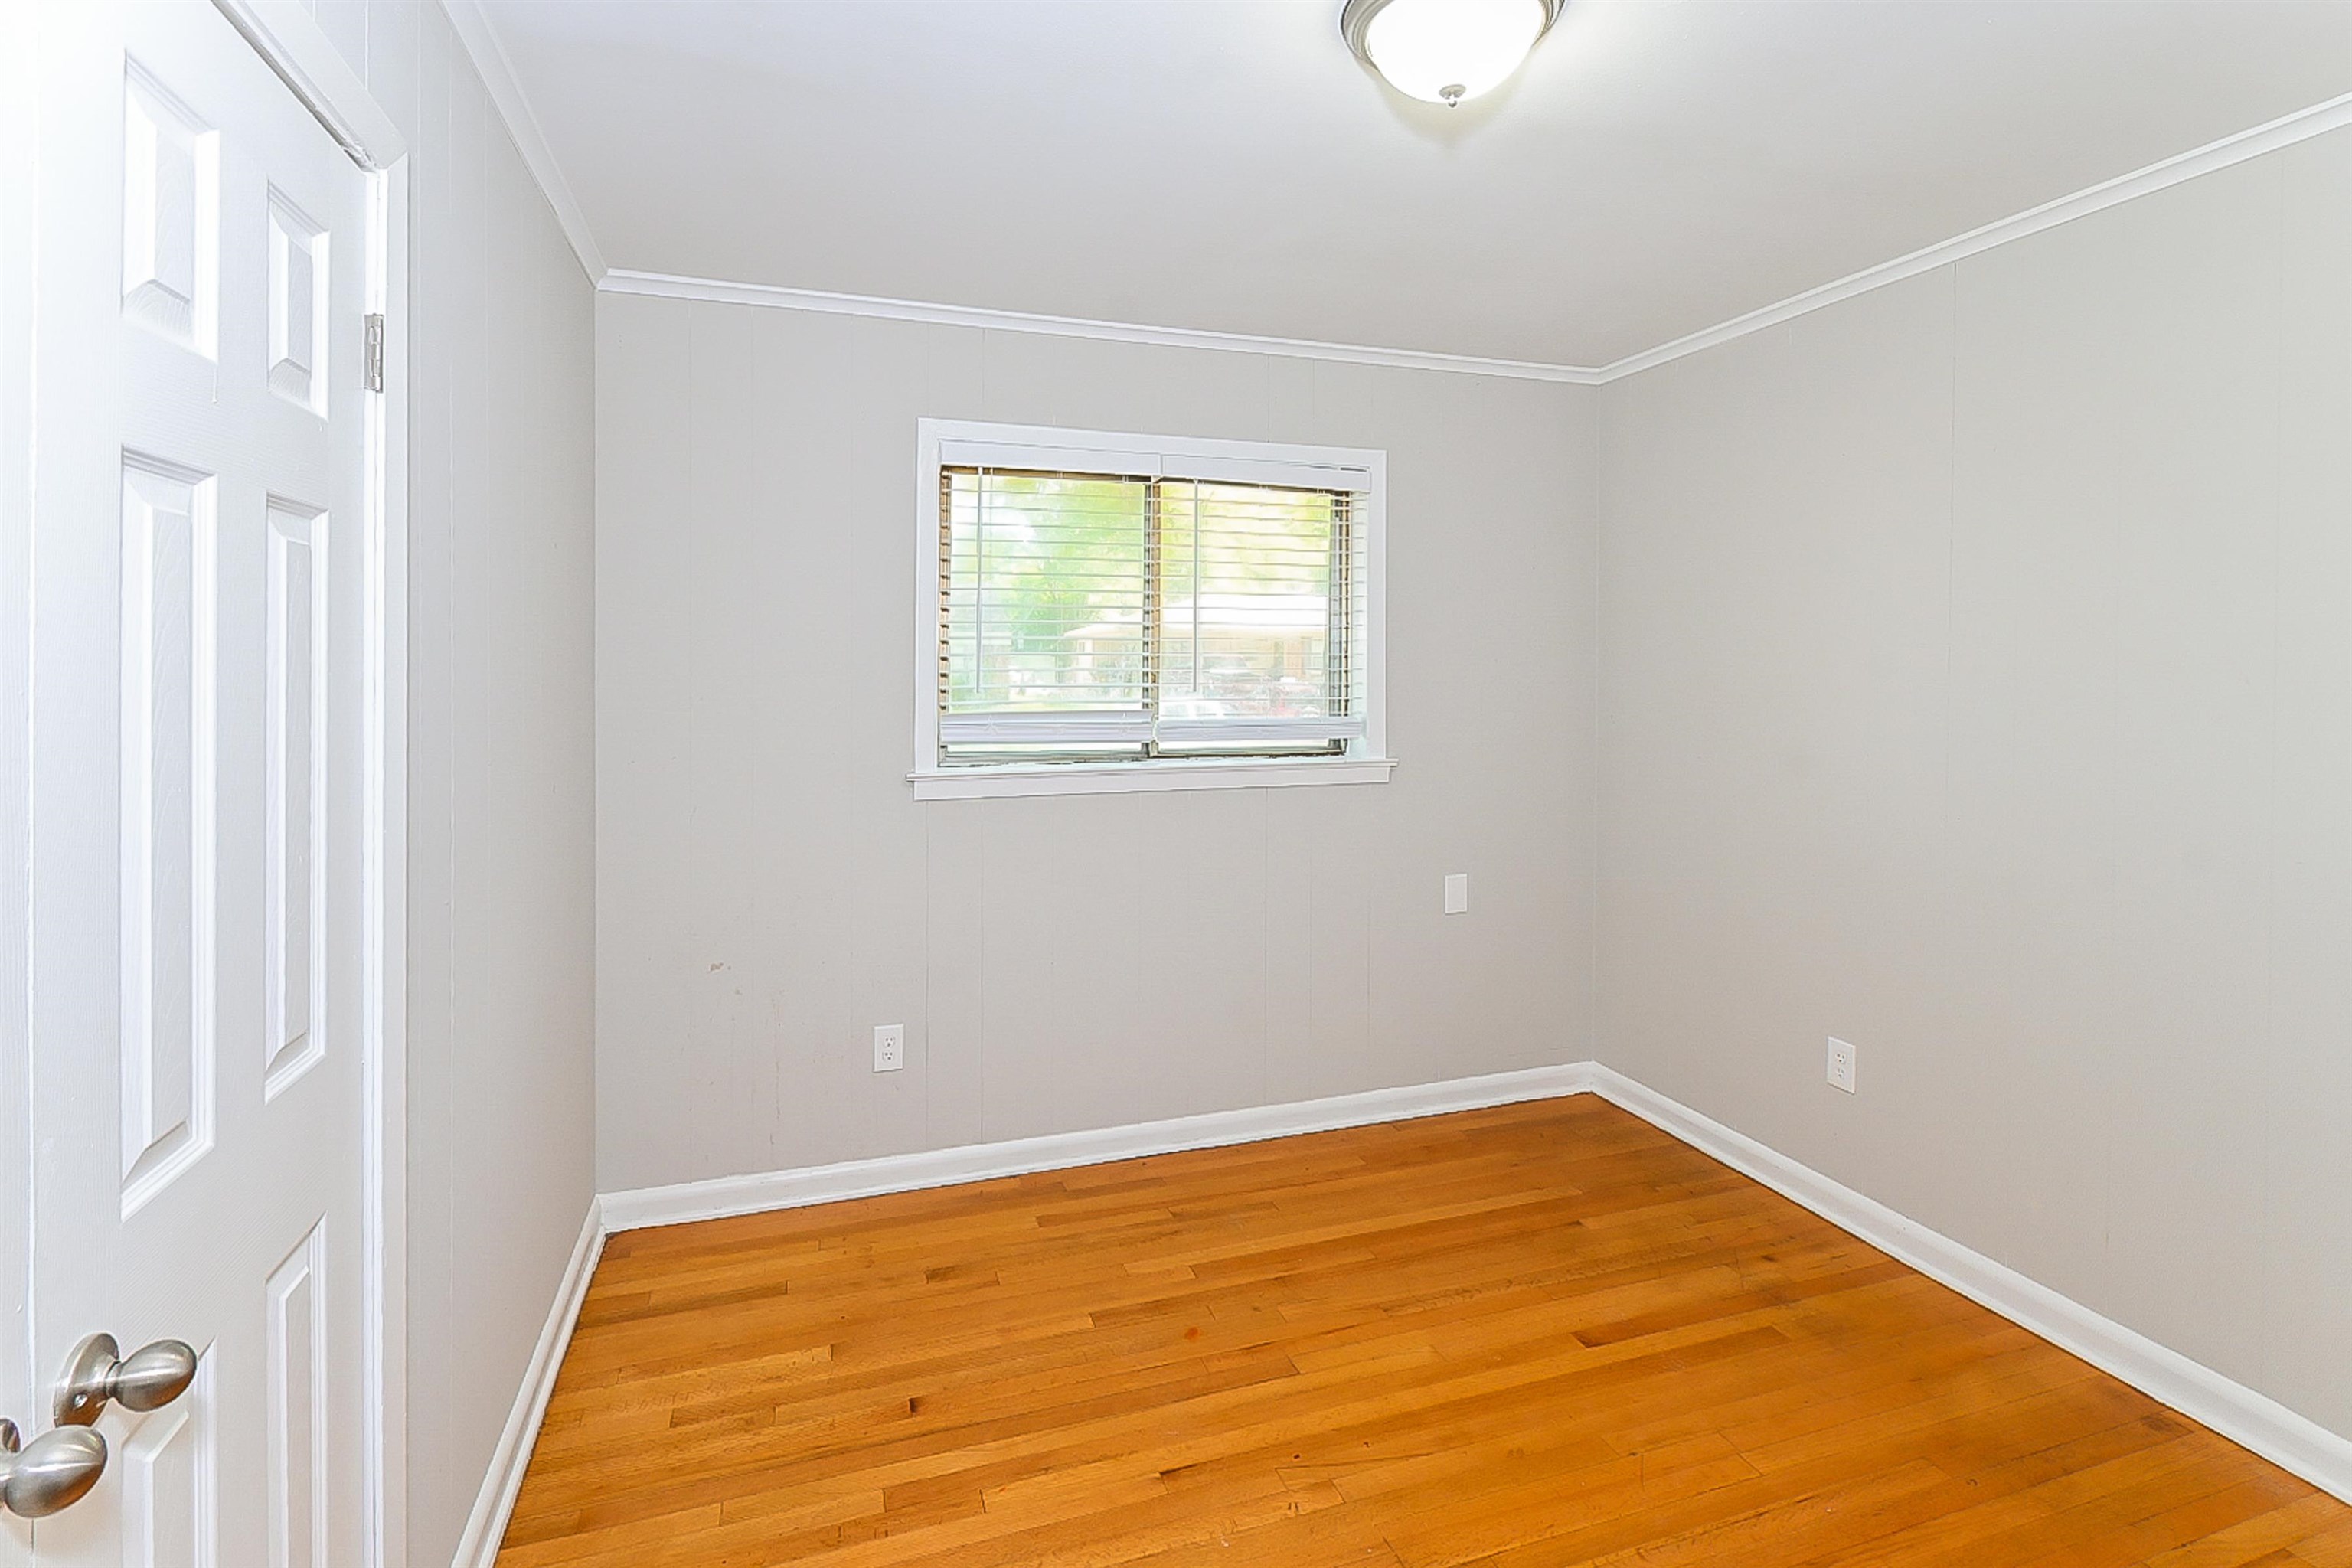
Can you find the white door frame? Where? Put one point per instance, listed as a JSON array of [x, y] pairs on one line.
[[19, 127], [285, 34]]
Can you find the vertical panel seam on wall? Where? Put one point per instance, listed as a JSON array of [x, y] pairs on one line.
[[1948, 851], [1265, 941], [2264, 1287], [1601, 430], [1596, 451], [448, 1000], [930, 1012], [456, 351], [979, 991], [2114, 904], [479, 304]]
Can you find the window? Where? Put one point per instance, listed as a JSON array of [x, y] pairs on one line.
[[1109, 611]]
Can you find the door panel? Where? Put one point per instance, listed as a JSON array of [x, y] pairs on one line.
[[298, 305], [299, 683], [170, 1485], [168, 893], [171, 214], [299, 1506], [196, 785]]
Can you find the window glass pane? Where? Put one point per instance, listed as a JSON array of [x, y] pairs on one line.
[[1046, 593], [1250, 625], [1090, 616]]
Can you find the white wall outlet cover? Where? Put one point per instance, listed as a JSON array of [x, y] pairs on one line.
[[1457, 893], [1842, 1065], [889, 1046]]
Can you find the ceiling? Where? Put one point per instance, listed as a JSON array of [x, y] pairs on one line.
[[1659, 166]]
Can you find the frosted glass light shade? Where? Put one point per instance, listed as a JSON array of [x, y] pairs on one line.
[[1443, 51]]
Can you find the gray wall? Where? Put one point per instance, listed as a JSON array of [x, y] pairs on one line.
[[501, 768], [1978, 687], [768, 890]]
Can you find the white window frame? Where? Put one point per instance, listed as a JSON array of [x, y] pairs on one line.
[[1367, 758]]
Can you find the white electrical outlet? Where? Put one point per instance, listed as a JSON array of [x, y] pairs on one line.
[[1841, 1065], [889, 1046], [1457, 893]]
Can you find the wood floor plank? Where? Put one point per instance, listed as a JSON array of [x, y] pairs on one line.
[[1526, 1337]]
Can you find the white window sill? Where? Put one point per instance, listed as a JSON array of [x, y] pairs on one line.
[[1122, 778]]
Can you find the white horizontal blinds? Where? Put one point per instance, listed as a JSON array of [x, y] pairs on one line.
[[1043, 638], [1259, 608], [1085, 613]]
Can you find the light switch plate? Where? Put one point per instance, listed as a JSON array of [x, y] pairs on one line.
[[1457, 893]]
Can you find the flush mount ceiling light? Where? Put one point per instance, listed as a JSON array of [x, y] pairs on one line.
[[1442, 51]]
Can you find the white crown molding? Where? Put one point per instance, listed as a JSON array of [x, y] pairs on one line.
[[490, 57], [2302, 125], [2252, 1420], [486, 1526], [2285, 131], [669, 286], [767, 1190]]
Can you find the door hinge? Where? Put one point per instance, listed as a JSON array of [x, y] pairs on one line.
[[375, 353]]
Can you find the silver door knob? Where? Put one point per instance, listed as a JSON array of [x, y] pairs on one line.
[[98, 1374], [53, 1472]]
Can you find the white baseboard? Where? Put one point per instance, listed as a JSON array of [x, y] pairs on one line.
[[1061, 1150], [2253, 1420], [486, 1526]]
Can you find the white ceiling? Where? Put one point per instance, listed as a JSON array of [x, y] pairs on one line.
[[1659, 165]]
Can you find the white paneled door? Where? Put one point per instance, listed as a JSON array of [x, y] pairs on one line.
[[196, 789]]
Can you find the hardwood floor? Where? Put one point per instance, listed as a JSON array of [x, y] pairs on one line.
[[1539, 1335]]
